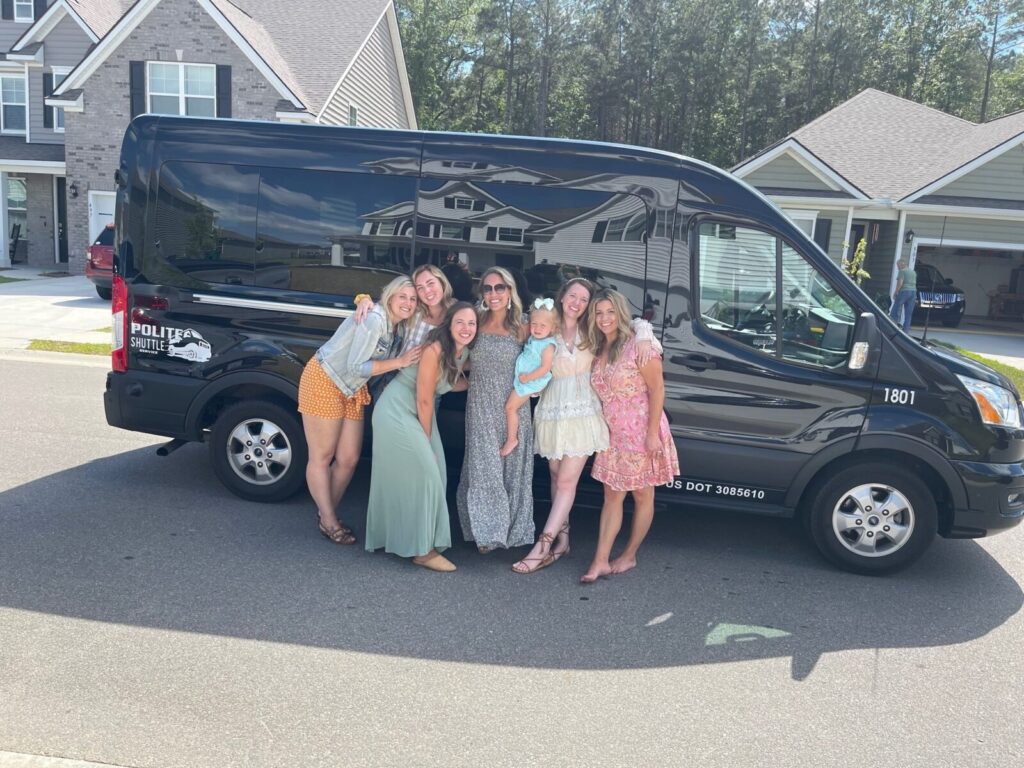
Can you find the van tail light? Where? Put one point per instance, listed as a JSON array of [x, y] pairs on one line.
[[119, 325]]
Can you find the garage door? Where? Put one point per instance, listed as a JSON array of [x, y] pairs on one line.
[[101, 212]]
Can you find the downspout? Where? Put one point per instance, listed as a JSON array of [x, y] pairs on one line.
[[846, 237], [5, 257]]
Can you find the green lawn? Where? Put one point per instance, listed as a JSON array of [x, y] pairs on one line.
[[1016, 375], [69, 346], [11, 279]]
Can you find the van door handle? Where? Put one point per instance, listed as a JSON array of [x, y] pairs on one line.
[[697, 362]]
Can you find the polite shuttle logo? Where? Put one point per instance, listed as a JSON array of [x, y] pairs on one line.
[[184, 343]]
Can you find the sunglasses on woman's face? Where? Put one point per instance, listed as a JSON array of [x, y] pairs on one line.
[[496, 288]]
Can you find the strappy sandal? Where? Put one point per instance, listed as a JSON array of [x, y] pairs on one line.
[[557, 554], [542, 562], [340, 535]]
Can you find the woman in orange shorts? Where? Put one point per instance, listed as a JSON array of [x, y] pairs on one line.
[[332, 395]]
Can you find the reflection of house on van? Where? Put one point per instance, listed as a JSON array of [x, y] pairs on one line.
[[546, 234], [189, 346]]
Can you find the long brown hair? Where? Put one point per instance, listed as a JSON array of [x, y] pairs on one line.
[[446, 286], [514, 316], [442, 334], [596, 339]]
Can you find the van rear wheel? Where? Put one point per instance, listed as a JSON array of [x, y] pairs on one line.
[[872, 519], [258, 451]]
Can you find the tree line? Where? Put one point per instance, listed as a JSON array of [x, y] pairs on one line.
[[713, 79]]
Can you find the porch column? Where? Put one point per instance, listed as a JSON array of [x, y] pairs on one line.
[[5, 257], [846, 237], [896, 256]]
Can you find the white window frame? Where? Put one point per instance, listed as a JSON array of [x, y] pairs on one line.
[[463, 203], [510, 234], [20, 5], [182, 96], [798, 216], [58, 111], [24, 82]]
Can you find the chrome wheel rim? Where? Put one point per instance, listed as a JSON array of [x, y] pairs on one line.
[[259, 451], [873, 520]]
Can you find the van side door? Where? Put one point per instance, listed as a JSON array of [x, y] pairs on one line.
[[756, 347]]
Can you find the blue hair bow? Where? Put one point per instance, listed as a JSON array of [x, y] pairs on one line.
[[539, 303]]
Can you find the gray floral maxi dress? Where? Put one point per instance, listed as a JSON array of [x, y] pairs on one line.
[[495, 496]]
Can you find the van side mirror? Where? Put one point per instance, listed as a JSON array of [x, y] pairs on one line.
[[867, 343]]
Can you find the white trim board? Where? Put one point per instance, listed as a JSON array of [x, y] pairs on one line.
[[966, 168], [135, 16], [805, 158], [46, 23]]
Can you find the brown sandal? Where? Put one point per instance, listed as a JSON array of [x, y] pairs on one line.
[[542, 562], [340, 535]]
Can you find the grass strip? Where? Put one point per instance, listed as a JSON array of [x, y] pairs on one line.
[[1014, 374], [78, 347], [11, 280]]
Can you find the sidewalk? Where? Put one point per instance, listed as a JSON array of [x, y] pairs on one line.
[[52, 308]]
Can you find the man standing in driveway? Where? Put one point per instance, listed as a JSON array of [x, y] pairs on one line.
[[906, 292]]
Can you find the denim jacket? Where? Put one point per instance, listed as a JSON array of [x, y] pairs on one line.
[[344, 355]]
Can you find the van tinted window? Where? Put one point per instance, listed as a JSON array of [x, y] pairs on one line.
[[315, 227], [206, 220], [803, 319], [542, 235]]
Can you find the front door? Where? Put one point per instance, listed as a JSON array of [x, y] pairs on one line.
[[60, 192], [756, 382]]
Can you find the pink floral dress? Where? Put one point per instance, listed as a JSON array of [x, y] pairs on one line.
[[626, 465]]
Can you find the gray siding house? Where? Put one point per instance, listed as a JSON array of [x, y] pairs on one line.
[[912, 182], [73, 73]]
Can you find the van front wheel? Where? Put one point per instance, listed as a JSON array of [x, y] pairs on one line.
[[872, 519], [258, 451]]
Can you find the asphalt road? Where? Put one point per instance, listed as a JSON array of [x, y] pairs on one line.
[[149, 618]]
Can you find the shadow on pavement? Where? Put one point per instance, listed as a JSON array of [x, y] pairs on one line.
[[139, 540]]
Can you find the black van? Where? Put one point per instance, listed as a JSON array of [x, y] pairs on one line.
[[240, 246]]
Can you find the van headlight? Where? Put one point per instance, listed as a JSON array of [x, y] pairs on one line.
[[997, 405]]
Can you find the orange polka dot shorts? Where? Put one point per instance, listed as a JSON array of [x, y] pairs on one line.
[[319, 396]]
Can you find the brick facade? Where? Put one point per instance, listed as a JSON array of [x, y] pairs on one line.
[[93, 137]]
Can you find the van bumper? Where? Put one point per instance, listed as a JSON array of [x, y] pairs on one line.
[[995, 494], [154, 403]]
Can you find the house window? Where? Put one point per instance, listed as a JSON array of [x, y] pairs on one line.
[[463, 204], [24, 10], [182, 89], [12, 104], [450, 231], [510, 235], [353, 115], [59, 74]]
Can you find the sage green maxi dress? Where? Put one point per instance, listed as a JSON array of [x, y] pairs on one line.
[[407, 513]]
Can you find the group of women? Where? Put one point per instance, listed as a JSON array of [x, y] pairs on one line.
[[599, 381]]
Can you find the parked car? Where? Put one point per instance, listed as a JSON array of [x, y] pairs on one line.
[[99, 261], [789, 392], [938, 300]]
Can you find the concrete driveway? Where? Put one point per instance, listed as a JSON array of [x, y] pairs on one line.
[[52, 308]]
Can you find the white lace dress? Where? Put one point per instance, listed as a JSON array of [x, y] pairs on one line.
[[568, 420]]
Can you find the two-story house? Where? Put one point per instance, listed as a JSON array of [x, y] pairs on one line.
[[73, 73]]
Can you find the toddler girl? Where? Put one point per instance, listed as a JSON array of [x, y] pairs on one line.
[[533, 368]]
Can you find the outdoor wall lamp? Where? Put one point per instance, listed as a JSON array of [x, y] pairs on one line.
[[910, 237], [73, 191]]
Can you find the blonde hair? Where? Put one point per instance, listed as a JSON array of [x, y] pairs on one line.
[[540, 312], [449, 294], [596, 339], [514, 316], [400, 282]]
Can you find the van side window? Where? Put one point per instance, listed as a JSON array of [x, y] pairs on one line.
[[542, 235], [205, 221], [802, 320], [319, 231]]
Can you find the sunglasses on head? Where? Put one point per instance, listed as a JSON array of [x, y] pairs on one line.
[[496, 288]]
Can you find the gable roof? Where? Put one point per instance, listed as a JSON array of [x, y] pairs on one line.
[[890, 147], [302, 48]]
